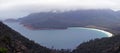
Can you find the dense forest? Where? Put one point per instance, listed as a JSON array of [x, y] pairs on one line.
[[13, 42], [104, 45]]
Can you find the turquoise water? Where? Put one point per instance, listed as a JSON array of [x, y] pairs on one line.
[[59, 39]]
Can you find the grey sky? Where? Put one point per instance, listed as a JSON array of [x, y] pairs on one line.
[[19, 8]]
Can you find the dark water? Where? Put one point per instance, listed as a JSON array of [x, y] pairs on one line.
[[59, 39]]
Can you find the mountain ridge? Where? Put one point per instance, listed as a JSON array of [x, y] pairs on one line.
[[80, 18]]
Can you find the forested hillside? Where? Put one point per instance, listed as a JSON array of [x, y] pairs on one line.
[[104, 45], [13, 42]]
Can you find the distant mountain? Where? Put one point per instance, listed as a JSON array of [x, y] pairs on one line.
[[83, 17], [11, 20], [104, 19]]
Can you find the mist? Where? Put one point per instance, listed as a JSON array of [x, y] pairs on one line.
[[20, 8]]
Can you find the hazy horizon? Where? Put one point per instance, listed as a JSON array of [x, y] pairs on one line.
[[20, 8]]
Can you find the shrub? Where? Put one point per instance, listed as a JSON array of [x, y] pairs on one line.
[[3, 50]]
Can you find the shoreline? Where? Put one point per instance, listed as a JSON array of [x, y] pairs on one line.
[[106, 32]]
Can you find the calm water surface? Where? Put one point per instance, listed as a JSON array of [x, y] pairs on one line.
[[59, 39]]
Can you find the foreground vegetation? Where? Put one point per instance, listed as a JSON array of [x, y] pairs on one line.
[[104, 45]]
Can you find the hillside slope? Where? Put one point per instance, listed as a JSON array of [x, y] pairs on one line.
[[104, 45], [13, 42]]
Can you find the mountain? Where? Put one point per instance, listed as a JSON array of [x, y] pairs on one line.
[[104, 19], [13, 42], [104, 45], [11, 20]]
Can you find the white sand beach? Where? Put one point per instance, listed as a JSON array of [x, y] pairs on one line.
[[108, 33]]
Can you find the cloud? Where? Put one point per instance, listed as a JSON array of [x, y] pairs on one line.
[[59, 3], [17, 8]]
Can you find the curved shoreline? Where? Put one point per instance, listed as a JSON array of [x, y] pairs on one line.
[[106, 32]]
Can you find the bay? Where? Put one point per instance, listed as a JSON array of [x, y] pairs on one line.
[[58, 39]]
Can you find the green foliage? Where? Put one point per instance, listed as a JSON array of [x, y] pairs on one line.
[[3, 50]]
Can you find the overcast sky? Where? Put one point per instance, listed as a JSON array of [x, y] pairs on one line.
[[19, 8]]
